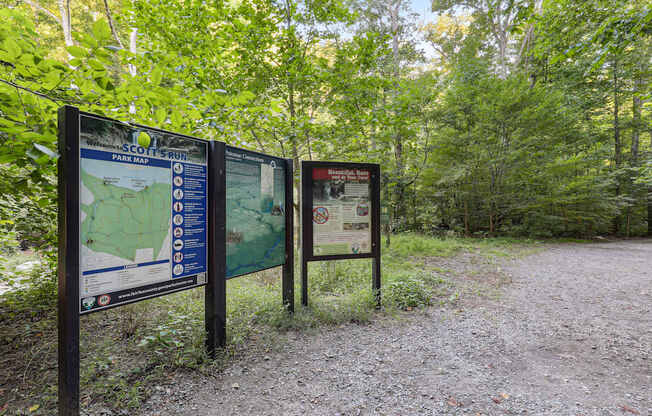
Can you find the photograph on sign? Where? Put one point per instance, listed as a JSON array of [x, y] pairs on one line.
[[255, 212], [341, 211], [143, 212]]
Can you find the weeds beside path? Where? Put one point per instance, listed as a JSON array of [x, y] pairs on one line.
[[570, 335], [130, 353], [339, 355]]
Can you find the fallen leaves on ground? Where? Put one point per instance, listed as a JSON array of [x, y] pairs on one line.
[[629, 409], [454, 403], [503, 396]]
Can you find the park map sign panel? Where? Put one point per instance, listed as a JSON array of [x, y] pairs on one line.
[[143, 212], [341, 211], [140, 209], [255, 211]]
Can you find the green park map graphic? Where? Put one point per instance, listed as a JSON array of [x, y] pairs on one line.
[[255, 222], [121, 220]]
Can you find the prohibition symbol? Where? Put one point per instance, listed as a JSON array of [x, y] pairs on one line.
[[320, 215], [104, 300]]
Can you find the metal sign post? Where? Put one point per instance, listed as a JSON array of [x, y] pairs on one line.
[[215, 291], [68, 268], [288, 267]]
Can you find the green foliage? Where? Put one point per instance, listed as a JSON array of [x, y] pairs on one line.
[[511, 130], [404, 293], [412, 244], [127, 351]]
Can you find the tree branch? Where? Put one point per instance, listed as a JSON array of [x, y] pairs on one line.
[[39, 94], [42, 10], [110, 19]]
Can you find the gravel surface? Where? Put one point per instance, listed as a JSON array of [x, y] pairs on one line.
[[569, 334]]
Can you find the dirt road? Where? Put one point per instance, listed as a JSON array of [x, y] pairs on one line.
[[570, 335]]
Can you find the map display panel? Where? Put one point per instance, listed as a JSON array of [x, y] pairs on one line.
[[255, 212], [143, 213], [341, 211]]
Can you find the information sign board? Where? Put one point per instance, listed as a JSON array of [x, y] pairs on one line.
[[142, 212], [140, 209], [340, 216], [255, 211], [341, 210]]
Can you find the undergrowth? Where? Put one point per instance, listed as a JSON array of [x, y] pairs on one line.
[[128, 351]]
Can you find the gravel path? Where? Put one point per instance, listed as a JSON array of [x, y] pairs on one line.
[[570, 335]]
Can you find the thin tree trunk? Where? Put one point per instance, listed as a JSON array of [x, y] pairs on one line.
[[617, 142], [649, 211], [133, 38], [649, 203], [399, 193], [111, 25], [636, 127], [467, 230], [491, 222], [636, 133], [64, 11]]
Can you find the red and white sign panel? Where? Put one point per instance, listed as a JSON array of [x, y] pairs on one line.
[[341, 214]]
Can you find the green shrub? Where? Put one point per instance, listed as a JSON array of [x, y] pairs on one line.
[[403, 293]]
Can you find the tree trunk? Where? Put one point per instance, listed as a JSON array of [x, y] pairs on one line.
[[617, 142], [467, 230], [636, 133], [636, 121], [649, 204], [398, 139], [491, 222], [64, 10], [133, 38], [649, 211], [110, 20], [292, 109]]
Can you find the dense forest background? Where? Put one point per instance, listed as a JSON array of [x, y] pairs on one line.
[[530, 117]]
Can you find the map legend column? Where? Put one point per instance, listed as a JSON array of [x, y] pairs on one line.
[[189, 209]]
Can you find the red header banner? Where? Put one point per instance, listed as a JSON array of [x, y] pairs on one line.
[[340, 174]]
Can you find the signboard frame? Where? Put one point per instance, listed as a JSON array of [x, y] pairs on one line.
[[287, 165], [216, 290], [307, 232], [69, 245], [206, 207]]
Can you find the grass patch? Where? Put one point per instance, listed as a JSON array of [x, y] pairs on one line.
[[127, 352]]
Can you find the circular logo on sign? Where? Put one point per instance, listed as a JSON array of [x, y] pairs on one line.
[[144, 139], [320, 215], [178, 181], [88, 303], [178, 269], [178, 232], [103, 300], [178, 168]]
